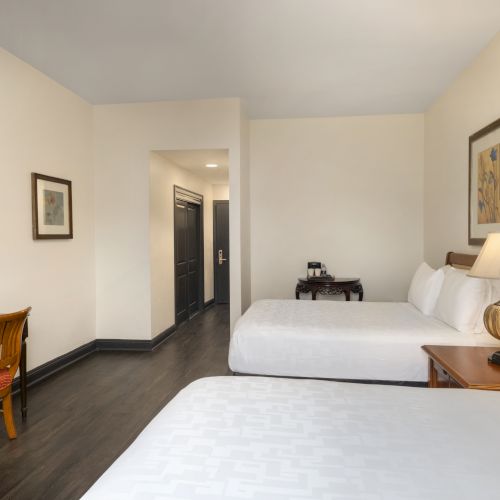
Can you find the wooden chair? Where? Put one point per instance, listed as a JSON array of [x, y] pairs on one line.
[[11, 329]]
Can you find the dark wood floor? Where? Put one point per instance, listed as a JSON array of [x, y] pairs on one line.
[[81, 419]]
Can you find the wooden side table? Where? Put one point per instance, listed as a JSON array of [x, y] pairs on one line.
[[462, 367], [333, 286]]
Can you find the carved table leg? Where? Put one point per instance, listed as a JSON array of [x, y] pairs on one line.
[[347, 293], [300, 288], [359, 290]]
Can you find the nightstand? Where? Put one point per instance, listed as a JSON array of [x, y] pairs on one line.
[[462, 367]]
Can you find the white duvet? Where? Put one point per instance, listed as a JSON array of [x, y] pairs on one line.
[[344, 340], [275, 439]]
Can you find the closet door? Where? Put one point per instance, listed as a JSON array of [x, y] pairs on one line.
[[193, 258], [181, 261]]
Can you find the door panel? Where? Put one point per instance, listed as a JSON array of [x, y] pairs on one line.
[[221, 252], [193, 252], [188, 259], [181, 262]]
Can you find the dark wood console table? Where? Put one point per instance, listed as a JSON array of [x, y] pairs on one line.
[[334, 286]]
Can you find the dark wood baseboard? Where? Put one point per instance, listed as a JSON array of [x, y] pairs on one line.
[[122, 345], [208, 303], [55, 365], [161, 337]]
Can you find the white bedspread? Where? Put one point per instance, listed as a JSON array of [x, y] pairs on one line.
[[271, 439], [345, 340]]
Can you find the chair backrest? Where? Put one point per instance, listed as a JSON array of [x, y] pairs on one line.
[[11, 330]]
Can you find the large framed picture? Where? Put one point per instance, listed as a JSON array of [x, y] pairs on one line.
[[484, 183], [52, 207]]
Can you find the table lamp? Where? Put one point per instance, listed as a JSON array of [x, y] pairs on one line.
[[487, 265]]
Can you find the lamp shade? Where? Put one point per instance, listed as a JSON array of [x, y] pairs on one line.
[[487, 264]]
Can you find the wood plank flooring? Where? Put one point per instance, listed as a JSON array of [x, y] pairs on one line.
[[81, 419]]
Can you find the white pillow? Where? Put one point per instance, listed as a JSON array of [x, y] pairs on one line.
[[425, 287], [462, 301]]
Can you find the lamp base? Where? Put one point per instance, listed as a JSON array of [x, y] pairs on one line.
[[491, 319], [494, 358]]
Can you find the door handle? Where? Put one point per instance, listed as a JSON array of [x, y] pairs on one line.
[[221, 258]]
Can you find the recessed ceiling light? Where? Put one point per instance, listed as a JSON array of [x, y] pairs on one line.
[[211, 165]]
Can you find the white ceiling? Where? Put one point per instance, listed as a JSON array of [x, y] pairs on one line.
[[195, 160], [285, 58]]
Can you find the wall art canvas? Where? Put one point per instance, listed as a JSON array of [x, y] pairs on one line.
[[51, 200], [484, 183]]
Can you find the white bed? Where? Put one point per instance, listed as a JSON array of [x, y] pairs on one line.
[[271, 439], [340, 340]]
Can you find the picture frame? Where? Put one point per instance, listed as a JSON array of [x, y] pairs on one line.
[[484, 183], [52, 207]]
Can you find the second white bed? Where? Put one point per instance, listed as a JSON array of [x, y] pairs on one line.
[[243, 438], [341, 340]]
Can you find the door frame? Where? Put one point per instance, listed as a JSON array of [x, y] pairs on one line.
[[217, 202], [185, 195]]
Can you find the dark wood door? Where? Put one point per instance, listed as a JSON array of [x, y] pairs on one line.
[[221, 252], [188, 267], [193, 263]]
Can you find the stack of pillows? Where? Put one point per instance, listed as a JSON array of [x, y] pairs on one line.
[[451, 296]]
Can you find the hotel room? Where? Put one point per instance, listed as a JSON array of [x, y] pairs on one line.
[[251, 250]]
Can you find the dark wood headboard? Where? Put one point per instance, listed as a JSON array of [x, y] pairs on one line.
[[460, 260]]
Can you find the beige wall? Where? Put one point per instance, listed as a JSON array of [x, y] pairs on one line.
[[346, 191], [220, 191], [45, 128], [471, 102], [163, 176], [124, 136]]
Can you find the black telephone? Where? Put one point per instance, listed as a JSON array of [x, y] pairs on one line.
[[494, 358]]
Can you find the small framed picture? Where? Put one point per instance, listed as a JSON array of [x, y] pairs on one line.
[[484, 183], [52, 207]]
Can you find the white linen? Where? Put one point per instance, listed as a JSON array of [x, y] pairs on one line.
[[462, 301], [425, 287], [345, 340], [270, 439]]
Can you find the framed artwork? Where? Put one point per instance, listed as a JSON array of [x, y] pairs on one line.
[[484, 183], [52, 207]]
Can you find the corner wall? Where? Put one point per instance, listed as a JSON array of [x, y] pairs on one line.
[[45, 128], [124, 136], [470, 103], [245, 213]]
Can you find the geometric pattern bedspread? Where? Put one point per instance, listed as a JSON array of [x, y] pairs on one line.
[[264, 438]]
